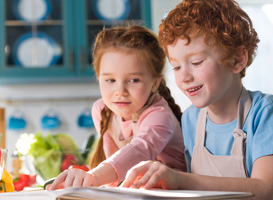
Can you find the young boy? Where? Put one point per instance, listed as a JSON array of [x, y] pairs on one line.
[[228, 130]]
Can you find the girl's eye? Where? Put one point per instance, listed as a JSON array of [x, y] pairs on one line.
[[176, 68], [197, 63], [134, 80], [110, 80]]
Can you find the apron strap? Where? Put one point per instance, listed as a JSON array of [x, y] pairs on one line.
[[201, 127], [244, 106]]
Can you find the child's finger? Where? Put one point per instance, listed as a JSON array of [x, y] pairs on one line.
[[58, 181], [129, 180], [135, 173], [149, 179], [61, 186]]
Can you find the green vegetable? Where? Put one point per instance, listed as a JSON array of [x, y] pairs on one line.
[[90, 141], [65, 142], [68, 146], [48, 153], [48, 182], [47, 156]]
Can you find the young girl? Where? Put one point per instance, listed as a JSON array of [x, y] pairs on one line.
[[137, 118], [228, 130]]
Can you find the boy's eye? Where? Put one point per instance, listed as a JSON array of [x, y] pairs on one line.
[[176, 68], [197, 63]]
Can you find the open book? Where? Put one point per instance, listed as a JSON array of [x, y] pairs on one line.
[[116, 193]]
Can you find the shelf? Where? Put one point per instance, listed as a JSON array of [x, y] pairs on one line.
[[41, 23], [9, 101], [100, 22]]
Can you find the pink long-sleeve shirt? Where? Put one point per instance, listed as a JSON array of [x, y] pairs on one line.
[[158, 137]]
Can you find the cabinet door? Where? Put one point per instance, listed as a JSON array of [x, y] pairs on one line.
[[94, 15], [37, 40], [51, 40]]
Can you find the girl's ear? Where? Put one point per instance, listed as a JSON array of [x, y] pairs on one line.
[[239, 61], [156, 84]]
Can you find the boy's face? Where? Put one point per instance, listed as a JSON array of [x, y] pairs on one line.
[[198, 74]]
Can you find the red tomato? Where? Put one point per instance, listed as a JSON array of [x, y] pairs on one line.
[[24, 178], [82, 167], [32, 179], [19, 185], [69, 159]]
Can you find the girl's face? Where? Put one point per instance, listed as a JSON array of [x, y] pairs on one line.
[[198, 74], [125, 82]]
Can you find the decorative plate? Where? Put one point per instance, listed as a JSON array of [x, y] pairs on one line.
[[36, 50], [31, 10], [111, 9]]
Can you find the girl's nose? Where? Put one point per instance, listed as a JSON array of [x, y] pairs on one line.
[[121, 90]]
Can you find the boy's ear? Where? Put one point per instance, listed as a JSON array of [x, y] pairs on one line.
[[239, 61], [156, 84]]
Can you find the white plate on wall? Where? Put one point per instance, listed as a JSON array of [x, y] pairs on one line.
[[31, 10], [111, 9], [36, 50]]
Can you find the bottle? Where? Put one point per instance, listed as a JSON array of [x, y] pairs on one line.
[[17, 164]]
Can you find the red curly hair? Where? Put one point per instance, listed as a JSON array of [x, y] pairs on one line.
[[222, 23]]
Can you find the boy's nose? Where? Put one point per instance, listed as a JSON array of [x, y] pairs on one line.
[[184, 76]]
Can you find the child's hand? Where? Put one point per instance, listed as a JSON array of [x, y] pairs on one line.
[[151, 174], [73, 178]]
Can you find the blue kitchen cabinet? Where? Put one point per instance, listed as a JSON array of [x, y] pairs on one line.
[[51, 40]]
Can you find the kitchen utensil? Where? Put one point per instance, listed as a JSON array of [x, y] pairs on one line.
[[85, 119], [17, 120], [50, 120]]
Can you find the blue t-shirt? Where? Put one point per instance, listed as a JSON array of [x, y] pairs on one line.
[[219, 138]]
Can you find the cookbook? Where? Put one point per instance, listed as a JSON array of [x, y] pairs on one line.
[[118, 193]]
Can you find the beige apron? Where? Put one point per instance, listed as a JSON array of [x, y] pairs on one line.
[[203, 162], [114, 129]]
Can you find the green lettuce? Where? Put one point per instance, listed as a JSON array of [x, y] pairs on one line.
[[47, 155]]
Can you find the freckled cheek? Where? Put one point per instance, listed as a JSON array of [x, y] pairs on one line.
[[178, 79], [204, 76]]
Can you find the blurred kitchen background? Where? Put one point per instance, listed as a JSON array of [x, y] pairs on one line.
[[47, 83]]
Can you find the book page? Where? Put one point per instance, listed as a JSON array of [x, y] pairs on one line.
[[31, 195], [116, 193]]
